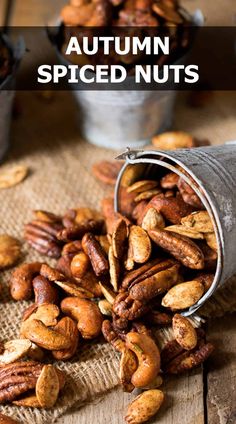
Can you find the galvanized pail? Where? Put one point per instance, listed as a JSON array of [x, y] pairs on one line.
[[117, 118], [214, 170], [7, 95]]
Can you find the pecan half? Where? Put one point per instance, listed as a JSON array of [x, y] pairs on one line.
[[17, 378], [173, 209], [21, 280], [112, 337], [189, 195], [107, 171], [170, 351], [96, 254], [42, 236], [112, 217], [156, 318], [76, 231], [126, 307], [156, 284], [181, 247], [187, 361], [143, 272]]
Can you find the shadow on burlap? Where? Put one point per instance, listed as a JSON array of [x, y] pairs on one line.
[[46, 140]]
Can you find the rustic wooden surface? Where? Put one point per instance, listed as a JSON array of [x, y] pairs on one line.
[[207, 395]]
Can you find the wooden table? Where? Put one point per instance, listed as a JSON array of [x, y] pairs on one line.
[[208, 394]]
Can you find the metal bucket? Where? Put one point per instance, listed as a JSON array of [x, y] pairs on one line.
[[214, 170], [7, 95], [115, 119]]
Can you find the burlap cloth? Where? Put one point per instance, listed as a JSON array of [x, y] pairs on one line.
[[45, 138]]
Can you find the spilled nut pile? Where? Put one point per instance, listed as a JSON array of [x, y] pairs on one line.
[[125, 276]]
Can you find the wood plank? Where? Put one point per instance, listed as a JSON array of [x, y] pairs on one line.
[[221, 379], [183, 404]]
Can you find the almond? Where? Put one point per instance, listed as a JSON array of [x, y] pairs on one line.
[[184, 333], [173, 139], [14, 350], [145, 406], [9, 250], [139, 249], [183, 295], [47, 387], [12, 176], [199, 221]]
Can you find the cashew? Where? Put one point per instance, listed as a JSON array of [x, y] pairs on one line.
[[148, 357], [21, 280], [86, 313], [44, 290], [45, 337], [79, 265], [47, 313]]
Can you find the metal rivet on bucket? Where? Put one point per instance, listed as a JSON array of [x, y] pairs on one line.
[[214, 170]]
